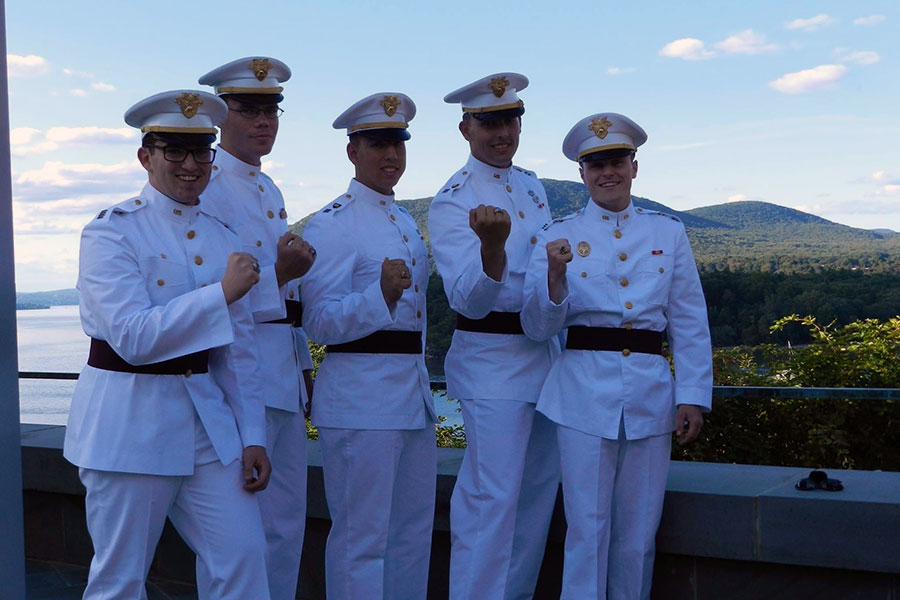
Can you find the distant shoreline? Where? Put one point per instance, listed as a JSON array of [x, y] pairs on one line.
[[30, 306]]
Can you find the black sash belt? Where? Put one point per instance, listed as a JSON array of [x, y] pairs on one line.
[[294, 312], [614, 339], [102, 356], [383, 342], [495, 322]]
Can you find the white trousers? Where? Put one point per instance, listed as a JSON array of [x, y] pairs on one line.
[[214, 515], [613, 491], [282, 504], [380, 486], [503, 500]]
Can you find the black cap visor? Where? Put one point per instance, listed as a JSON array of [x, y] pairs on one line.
[[389, 134], [254, 99], [183, 140], [492, 115], [606, 154]]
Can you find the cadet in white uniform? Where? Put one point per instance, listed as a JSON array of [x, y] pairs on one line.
[[166, 418], [249, 201], [365, 299], [632, 276], [483, 224]]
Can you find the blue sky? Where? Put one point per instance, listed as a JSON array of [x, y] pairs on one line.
[[788, 102]]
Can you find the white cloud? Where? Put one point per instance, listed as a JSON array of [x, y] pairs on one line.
[[745, 42], [891, 189], [818, 78], [74, 73], [870, 20], [883, 177], [271, 165], [91, 135], [22, 135], [737, 198], [811, 24], [56, 180], [619, 70], [860, 57], [100, 86], [78, 92], [687, 49], [26, 66]]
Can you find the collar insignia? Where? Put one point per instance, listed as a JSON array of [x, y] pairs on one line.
[[260, 68], [600, 127], [189, 104]]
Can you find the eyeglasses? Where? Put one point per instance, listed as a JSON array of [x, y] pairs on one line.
[[202, 156], [251, 112]]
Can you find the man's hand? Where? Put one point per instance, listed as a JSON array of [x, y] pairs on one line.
[[395, 277], [295, 258], [559, 254], [255, 458], [689, 422], [241, 274], [491, 225]]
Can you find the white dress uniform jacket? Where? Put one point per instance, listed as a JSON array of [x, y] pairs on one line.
[[249, 201], [343, 302], [631, 269], [471, 293], [150, 291]]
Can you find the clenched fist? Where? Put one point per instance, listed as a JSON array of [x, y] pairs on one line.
[[559, 254], [395, 277], [241, 274], [491, 225], [295, 257]]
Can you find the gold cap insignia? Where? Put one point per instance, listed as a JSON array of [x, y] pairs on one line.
[[189, 103], [600, 127], [390, 104], [583, 249], [498, 85], [260, 68]]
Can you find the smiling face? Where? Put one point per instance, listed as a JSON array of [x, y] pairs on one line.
[[492, 141], [379, 163], [181, 181], [609, 180], [247, 139]]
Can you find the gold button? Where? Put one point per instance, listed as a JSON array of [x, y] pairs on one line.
[[405, 239], [191, 234], [465, 172], [418, 314], [160, 282], [137, 202], [508, 188], [413, 262], [261, 188], [270, 214], [629, 305], [177, 211], [393, 218], [496, 175], [626, 352], [215, 168], [162, 256], [618, 234], [661, 270], [347, 196], [583, 274], [416, 287], [258, 243], [627, 215], [624, 282], [188, 373], [252, 172], [521, 214], [623, 256], [198, 261], [291, 295], [533, 240], [382, 202], [628, 326]]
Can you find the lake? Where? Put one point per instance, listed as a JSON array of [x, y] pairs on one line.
[[52, 340]]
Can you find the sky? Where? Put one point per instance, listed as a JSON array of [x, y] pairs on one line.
[[790, 102]]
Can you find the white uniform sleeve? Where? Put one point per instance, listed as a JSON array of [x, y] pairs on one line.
[[113, 289], [457, 254], [303, 355], [333, 313], [541, 317], [266, 298], [688, 330]]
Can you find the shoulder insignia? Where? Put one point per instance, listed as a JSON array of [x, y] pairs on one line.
[[102, 214], [456, 181], [662, 214], [130, 205], [341, 202]]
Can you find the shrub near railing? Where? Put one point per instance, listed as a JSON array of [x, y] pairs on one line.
[[833, 433]]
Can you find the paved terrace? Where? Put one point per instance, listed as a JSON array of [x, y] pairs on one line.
[[728, 531]]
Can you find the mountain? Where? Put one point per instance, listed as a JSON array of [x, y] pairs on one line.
[[740, 236], [52, 298]]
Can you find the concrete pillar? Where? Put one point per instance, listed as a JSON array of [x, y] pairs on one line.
[[12, 539]]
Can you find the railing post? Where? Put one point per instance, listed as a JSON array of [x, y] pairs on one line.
[[12, 539]]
